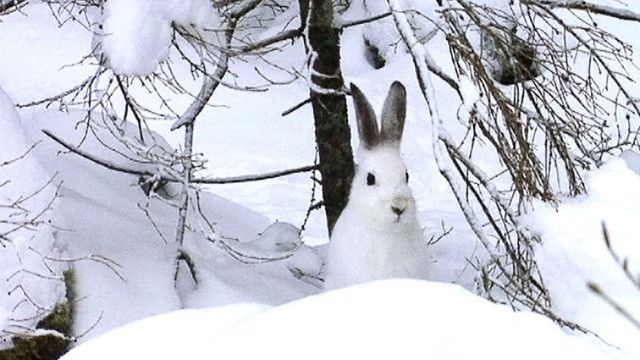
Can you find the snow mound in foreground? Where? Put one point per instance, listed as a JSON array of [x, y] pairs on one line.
[[392, 319]]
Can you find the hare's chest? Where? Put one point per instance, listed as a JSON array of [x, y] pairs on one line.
[[359, 253], [393, 258]]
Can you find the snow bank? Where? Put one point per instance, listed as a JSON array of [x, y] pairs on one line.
[[136, 35], [573, 253], [30, 286], [167, 336], [393, 319], [106, 215]]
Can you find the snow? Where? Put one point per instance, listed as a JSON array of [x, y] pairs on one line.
[[163, 335], [383, 34], [135, 36], [470, 93], [573, 253], [197, 13], [30, 285], [103, 215], [25, 76], [279, 236], [407, 319], [246, 305]]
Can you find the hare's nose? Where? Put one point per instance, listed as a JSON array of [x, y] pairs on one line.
[[398, 211]]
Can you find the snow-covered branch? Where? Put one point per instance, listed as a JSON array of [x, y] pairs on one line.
[[239, 10], [283, 36], [145, 173], [212, 81], [249, 178], [11, 6], [210, 84], [252, 255], [623, 14]]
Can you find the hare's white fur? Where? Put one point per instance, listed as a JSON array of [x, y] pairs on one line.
[[370, 240]]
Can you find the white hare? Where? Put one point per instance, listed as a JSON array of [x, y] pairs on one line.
[[377, 236]]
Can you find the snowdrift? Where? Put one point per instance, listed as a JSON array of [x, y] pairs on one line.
[[391, 319]]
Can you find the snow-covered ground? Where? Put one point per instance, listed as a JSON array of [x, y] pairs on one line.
[[248, 307], [391, 319]]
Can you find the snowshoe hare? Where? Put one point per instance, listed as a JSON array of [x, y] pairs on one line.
[[377, 236]]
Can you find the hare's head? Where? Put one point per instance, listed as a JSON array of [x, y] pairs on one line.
[[380, 187]]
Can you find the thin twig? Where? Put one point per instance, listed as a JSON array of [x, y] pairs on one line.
[[613, 303], [349, 24], [296, 107]]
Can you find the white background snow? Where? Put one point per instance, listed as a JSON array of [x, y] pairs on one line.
[[261, 309]]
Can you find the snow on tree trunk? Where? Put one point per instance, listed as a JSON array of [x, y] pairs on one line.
[[333, 136]]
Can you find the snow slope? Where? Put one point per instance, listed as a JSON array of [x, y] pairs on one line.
[[102, 214], [31, 286], [391, 319]]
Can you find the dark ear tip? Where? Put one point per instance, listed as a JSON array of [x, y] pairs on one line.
[[397, 86], [354, 89]]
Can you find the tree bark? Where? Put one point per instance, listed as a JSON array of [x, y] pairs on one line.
[[333, 136]]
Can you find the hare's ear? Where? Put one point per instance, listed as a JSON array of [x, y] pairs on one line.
[[366, 118], [394, 112]]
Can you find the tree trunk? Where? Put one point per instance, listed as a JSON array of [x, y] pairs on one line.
[[333, 136]]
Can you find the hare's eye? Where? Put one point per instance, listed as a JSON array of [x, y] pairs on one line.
[[371, 179], [407, 176]]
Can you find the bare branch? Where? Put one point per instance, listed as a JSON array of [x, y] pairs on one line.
[[241, 10], [613, 74], [296, 107], [19, 157], [129, 105], [110, 264], [622, 263], [283, 36], [210, 84], [349, 24], [87, 82], [519, 284], [613, 303]]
